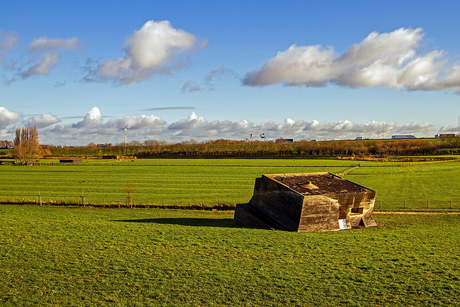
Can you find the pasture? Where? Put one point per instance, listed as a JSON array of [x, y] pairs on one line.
[[83, 256], [222, 181]]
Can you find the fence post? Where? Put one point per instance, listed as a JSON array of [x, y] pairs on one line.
[[380, 202], [451, 204], [428, 204]]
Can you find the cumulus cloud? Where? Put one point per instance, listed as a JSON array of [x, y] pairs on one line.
[[156, 48], [46, 49], [414, 128], [387, 59], [42, 121], [136, 122], [43, 68], [8, 117], [193, 121], [45, 43], [92, 118], [196, 127], [92, 128], [8, 41], [448, 128]]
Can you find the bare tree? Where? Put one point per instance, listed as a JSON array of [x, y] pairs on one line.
[[26, 146]]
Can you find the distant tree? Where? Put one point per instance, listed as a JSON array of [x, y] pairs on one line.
[[135, 144], [26, 146]]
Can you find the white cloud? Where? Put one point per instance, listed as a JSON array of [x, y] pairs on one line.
[[155, 48], [142, 127], [388, 59], [44, 120], [192, 122], [45, 43], [50, 58], [43, 68], [414, 128], [136, 122], [448, 128], [8, 117], [304, 65], [92, 118]]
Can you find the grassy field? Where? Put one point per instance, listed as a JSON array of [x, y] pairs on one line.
[[65, 256], [209, 181], [415, 184], [156, 181]]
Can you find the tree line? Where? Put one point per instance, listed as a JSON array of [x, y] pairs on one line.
[[225, 147]]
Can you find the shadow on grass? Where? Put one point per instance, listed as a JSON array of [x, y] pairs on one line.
[[186, 221]]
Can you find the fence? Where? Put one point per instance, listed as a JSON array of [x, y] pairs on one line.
[[127, 202], [417, 205]]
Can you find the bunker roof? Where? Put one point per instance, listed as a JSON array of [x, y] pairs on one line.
[[318, 183]]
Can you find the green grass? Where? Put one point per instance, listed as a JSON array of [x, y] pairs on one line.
[[414, 183], [156, 181], [228, 181], [55, 256]]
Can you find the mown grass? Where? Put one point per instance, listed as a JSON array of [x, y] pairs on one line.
[[225, 181], [101, 257], [417, 184], [163, 181]]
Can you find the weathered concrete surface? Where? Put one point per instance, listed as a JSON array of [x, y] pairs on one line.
[[307, 202]]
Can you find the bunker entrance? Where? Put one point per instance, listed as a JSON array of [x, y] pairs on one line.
[[307, 202]]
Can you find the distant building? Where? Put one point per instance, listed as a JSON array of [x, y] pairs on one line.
[[445, 136], [403, 136], [281, 140], [6, 144]]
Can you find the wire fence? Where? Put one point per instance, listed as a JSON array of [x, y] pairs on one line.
[[125, 202], [427, 204], [130, 202]]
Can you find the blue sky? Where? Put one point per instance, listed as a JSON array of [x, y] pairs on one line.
[[174, 71]]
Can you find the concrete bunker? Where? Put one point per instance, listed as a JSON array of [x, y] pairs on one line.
[[305, 202]]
